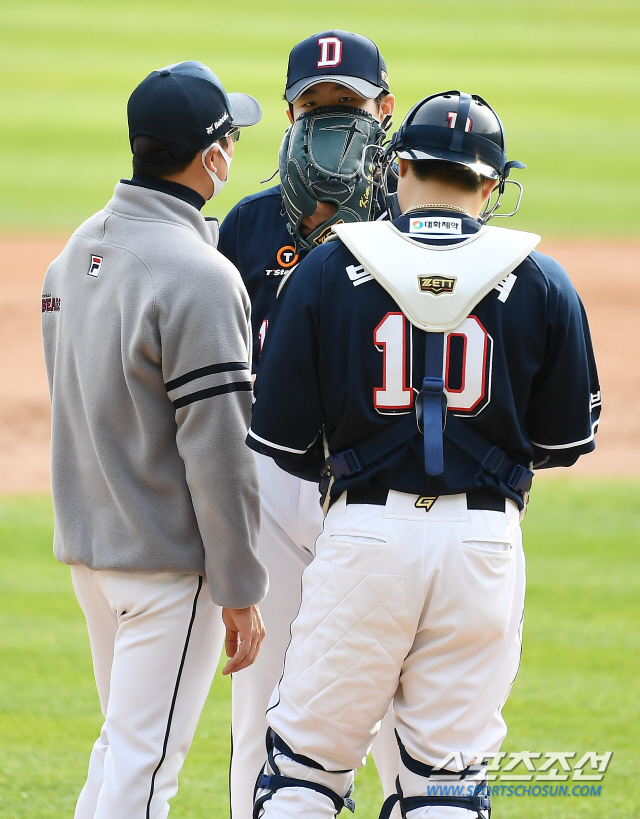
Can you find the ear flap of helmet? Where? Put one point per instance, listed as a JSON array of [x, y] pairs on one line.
[[513, 164]]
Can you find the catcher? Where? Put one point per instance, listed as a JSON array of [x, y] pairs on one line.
[[420, 369]]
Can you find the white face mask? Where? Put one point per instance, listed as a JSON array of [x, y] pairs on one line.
[[218, 184]]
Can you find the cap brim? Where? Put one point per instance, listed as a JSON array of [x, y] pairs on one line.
[[361, 87], [469, 162], [245, 110]]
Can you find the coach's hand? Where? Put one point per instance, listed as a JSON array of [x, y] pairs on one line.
[[245, 633]]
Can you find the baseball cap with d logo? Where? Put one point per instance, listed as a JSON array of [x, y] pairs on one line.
[[339, 56], [185, 105]]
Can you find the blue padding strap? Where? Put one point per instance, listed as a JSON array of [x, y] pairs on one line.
[[481, 802], [280, 745], [422, 769], [273, 782], [457, 138], [389, 804], [433, 403], [514, 476], [476, 802], [454, 796]]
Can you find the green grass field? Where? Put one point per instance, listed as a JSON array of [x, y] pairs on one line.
[[576, 690], [565, 78], [563, 74]]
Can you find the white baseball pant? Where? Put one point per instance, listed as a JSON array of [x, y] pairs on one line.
[[155, 641], [291, 520], [422, 607]]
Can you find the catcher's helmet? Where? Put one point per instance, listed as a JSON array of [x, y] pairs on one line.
[[460, 128]]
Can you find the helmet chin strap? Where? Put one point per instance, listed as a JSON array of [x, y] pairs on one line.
[[218, 184]]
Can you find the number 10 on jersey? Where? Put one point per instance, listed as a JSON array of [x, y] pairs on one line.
[[466, 366]]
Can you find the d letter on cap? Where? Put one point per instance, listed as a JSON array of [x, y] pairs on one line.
[[330, 51]]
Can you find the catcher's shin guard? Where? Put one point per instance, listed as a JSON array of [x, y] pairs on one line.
[[467, 789], [288, 772]]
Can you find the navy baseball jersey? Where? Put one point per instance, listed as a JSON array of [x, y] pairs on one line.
[[254, 236], [341, 358]]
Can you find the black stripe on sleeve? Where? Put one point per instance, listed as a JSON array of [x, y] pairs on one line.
[[245, 386], [227, 367]]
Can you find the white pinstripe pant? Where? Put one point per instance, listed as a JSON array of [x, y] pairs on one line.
[[155, 642]]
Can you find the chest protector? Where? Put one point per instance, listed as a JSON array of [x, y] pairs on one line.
[[436, 287]]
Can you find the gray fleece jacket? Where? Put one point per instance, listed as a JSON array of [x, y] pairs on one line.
[[147, 342]]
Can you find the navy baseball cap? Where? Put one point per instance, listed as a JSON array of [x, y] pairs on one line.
[[186, 106], [339, 56]]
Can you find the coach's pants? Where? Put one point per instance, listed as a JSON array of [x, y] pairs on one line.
[[424, 608], [291, 522], [155, 642]]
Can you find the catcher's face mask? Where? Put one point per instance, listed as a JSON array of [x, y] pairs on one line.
[[329, 155]]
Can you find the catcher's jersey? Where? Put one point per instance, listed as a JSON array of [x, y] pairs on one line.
[[341, 357], [254, 236]]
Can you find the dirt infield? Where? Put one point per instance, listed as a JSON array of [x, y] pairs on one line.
[[607, 276]]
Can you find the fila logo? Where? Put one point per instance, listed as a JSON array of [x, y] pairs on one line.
[[94, 267], [330, 51], [452, 116]]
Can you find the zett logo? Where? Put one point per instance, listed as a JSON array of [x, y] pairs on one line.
[[425, 502], [436, 285], [94, 266], [330, 51], [287, 256]]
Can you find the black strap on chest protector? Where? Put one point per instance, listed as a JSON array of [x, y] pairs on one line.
[[493, 460], [436, 423], [434, 404]]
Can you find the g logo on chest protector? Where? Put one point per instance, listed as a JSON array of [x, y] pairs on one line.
[[436, 285]]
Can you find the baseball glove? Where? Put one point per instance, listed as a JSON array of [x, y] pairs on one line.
[[330, 155]]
